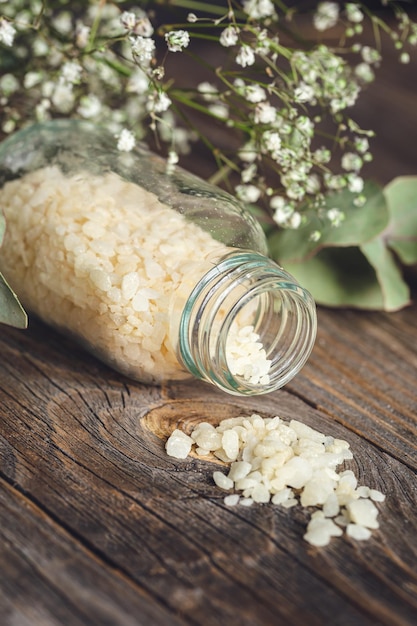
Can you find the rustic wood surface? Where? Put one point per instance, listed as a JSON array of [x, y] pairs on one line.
[[98, 526]]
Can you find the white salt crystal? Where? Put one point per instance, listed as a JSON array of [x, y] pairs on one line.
[[358, 532], [363, 512], [230, 444], [178, 444], [222, 481], [232, 499]]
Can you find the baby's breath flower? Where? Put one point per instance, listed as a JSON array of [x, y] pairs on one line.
[[254, 93], [322, 155], [335, 216], [177, 40], [258, 9], [126, 141], [272, 141], [229, 36], [82, 33], [355, 183], [404, 58], [370, 55], [138, 82], [158, 101], [7, 32], [353, 12], [265, 113], [304, 93], [90, 106], [208, 91], [326, 15], [246, 56], [143, 49], [351, 161], [63, 98], [314, 236], [71, 73], [364, 72], [248, 173], [192, 18], [248, 193], [248, 153], [128, 20], [219, 109]]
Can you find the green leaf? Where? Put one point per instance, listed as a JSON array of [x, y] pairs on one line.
[[395, 291], [360, 225], [401, 235], [340, 277], [11, 311]]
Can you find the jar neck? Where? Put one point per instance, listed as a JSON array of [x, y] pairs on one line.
[[247, 326]]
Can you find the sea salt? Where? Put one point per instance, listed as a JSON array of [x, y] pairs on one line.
[[101, 257], [283, 464]]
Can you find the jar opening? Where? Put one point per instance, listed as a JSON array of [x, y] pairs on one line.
[[248, 326]]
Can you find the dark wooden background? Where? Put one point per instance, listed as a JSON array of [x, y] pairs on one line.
[[98, 526]]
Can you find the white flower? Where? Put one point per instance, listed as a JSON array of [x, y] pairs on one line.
[[304, 93], [248, 193], [173, 157], [405, 58], [90, 106], [229, 36], [248, 153], [265, 113], [364, 72], [208, 91], [312, 184], [326, 15], [7, 32], [137, 24], [63, 97], [335, 216], [143, 48], [245, 56], [258, 9], [158, 102], [71, 73], [192, 18], [254, 93], [272, 141], [355, 183], [294, 221], [138, 82], [248, 173], [353, 13], [370, 55], [219, 110], [361, 144], [128, 20], [351, 161], [177, 40], [126, 141], [82, 33]]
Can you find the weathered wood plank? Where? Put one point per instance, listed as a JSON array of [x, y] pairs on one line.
[[48, 577], [74, 442]]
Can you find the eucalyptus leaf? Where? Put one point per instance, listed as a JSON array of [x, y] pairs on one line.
[[340, 277], [11, 311], [401, 235], [361, 224], [2, 226], [395, 291]]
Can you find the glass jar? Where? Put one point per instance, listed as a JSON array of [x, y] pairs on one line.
[[156, 272]]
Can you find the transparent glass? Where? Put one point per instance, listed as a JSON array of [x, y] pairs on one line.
[[156, 272]]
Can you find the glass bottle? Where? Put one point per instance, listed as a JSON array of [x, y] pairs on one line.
[[156, 272]]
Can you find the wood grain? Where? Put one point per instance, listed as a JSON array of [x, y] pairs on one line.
[[86, 479]]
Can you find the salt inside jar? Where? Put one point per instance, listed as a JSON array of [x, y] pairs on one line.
[[159, 274]]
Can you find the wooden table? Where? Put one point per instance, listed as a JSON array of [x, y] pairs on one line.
[[98, 526]]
